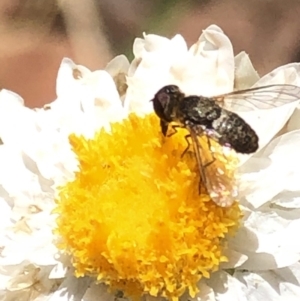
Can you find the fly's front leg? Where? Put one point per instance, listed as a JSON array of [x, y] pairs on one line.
[[174, 128], [164, 125]]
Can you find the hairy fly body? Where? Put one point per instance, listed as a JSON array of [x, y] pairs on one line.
[[211, 117]]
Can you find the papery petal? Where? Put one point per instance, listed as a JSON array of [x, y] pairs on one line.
[[91, 99], [98, 292], [5, 210], [206, 69], [155, 56], [294, 122], [227, 288], [36, 244], [287, 74], [235, 259], [287, 199], [119, 64], [67, 78], [19, 176], [279, 285], [206, 293], [17, 123], [72, 289], [101, 99], [267, 123], [118, 69], [209, 70], [9, 99], [268, 239], [245, 75], [60, 270], [26, 282], [277, 170]]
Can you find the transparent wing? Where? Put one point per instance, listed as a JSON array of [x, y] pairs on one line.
[[265, 97], [219, 183]]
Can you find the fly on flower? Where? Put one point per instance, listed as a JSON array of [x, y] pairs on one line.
[[211, 117]]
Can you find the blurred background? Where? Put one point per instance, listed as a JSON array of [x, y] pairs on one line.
[[37, 34]]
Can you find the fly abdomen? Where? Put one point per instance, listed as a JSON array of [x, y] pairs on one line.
[[235, 132]]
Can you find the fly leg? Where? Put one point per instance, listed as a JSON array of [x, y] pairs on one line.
[[211, 152], [174, 128], [200, 164], [164, 126], [186, 137]]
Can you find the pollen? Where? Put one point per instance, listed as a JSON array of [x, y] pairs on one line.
[[133, 218]]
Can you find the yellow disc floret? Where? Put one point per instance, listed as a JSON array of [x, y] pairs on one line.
[[133, 217]]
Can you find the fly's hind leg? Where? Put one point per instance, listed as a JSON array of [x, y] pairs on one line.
[[202, 181], [211, 152]]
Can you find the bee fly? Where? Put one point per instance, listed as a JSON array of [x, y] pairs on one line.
[[211, 117]]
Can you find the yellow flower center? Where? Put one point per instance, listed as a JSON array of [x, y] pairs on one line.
[[133, 217]]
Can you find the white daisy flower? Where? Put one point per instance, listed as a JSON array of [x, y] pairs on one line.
[[95, 204]]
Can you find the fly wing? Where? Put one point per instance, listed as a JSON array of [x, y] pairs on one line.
[[265, 97], [218, 181]]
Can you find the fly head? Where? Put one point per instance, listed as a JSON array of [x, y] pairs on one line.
[[165, 102]]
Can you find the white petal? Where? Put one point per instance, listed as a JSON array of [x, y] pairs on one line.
[[98, 292], [287, 74], [36, 248], [66, 83], [226, 287], [5, 211], [287, 199], [101, 99], [270, 285], [235, 259], [210, 70], [294, 122], [277, 169], [265, 261], [118, 69], [207, 69], [267, 123], [27, 282], [19, 176], [17, 123], [206, 293], [245, 74], [59, 271], [72, 289], [11, 99], [268, 239], [89, 101], [119, 64], [155, 56]]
